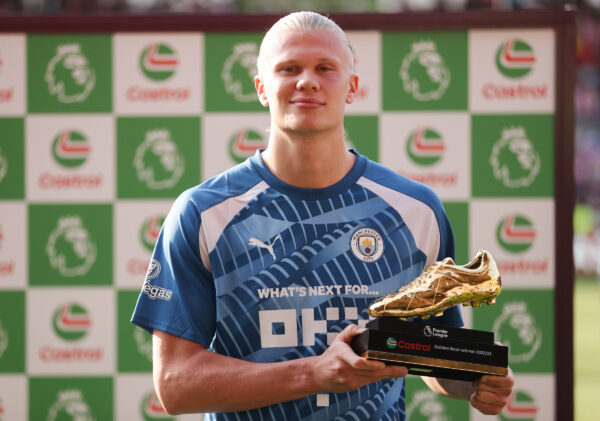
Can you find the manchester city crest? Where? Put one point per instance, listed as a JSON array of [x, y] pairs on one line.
[[367, 244]]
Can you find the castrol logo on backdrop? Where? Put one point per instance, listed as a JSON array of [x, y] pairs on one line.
[[425, 146], [70, 158], [244, 143], [516, 235], [70, 150], [429, 148], [159, 74], [70, 331], [71, 323], [158, 61], [511, 71], [515, 58]]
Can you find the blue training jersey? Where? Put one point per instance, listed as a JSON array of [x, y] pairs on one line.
[[256, 269]]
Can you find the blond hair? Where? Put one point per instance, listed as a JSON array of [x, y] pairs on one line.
[[302, 22]]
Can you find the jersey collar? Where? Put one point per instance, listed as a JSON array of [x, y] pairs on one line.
[[310, 194]]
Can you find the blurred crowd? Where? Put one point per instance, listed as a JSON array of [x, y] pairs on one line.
[[587, 89], [276, 6], [587, 146]]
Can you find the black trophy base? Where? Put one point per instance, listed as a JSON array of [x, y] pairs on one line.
[[434, 351]]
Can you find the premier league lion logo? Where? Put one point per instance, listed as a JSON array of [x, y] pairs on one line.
[[69, 75], [158, 162], [70, 406], [514, 159], [70, 248], [238, 72], [424, 73]]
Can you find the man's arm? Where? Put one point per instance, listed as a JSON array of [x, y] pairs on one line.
[[488, 394], [189, 378]]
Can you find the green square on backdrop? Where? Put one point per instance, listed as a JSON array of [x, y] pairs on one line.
[[12, 328], [69, 73], [458, 214], [70, 244], [135, 344], [54, 398], [523, 320], [362, 132], [157, 157], [424, 405], [12, 158], [512, 155], [425, 70], [230, 69]]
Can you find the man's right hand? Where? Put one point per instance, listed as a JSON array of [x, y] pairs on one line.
[[189, 378], [339, 369]]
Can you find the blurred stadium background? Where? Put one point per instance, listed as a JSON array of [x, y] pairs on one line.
[[587, 133]]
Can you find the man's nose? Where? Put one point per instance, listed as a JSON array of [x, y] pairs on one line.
[[307, 81]]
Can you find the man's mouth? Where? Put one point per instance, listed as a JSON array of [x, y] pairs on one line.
[[307, 102]]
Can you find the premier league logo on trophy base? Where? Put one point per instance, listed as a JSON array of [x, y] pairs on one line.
[[437, 351]]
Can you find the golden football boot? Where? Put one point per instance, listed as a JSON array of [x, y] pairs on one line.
[[442, 286]]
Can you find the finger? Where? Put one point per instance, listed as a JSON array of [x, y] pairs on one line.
[[361, 363], [374, 367], [389, 372], [490, 398], [497, 381], [502, 391], [394, 371], [485, 408], [350, 332]]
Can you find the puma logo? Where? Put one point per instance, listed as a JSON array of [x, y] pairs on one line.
[[256, 242]]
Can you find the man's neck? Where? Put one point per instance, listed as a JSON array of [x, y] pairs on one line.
[[309, 161]]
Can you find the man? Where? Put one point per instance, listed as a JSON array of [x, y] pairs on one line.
[[266, 270]]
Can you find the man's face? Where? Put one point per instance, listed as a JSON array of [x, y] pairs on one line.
[[306, 81]]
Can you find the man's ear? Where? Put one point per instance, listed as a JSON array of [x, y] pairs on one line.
[[260, 90], [353, 89]]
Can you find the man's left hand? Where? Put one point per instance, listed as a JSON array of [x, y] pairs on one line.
[[491, 393]]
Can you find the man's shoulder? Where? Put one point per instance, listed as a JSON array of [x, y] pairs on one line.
[[231, 183], [389, 179]]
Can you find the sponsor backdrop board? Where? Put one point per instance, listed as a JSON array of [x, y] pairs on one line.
[[100, 130]]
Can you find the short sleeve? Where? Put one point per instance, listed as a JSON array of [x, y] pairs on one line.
[[178, 295]]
